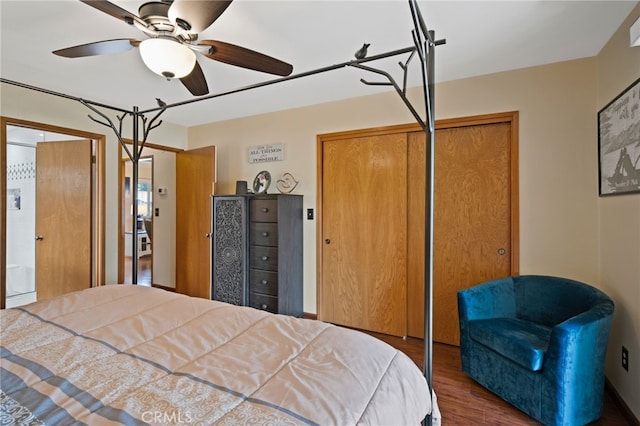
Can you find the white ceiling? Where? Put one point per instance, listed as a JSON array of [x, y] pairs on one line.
[[482, 37]]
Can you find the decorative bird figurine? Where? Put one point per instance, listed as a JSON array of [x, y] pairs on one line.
[[161, 103], [362, 52]]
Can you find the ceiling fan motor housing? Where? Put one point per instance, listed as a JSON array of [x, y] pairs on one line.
[[156, 14]]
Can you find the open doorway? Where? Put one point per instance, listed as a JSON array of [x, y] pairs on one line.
[[142, 225], [157, 210], [40, 165]]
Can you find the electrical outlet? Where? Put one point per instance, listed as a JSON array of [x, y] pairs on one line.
[[625, 358]]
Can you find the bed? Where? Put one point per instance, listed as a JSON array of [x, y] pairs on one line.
[[126, 354]]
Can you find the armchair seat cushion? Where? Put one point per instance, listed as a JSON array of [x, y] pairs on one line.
[[523, 342]]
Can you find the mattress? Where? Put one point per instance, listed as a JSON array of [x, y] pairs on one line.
[[124, 354]]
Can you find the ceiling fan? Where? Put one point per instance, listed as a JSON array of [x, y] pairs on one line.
[[172, 28]]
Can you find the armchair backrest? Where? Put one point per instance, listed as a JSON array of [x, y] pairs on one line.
[[551, 300]]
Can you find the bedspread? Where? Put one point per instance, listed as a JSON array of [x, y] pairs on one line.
[[124, 354]]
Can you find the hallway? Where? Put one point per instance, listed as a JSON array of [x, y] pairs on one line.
[[144, 270]]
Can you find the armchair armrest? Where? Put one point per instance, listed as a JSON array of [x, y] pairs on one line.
[[586, 334], [575, 357]]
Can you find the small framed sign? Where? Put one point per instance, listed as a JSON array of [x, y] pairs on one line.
[[266, 153]]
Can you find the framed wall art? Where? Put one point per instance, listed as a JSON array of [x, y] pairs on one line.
[[619, 143]]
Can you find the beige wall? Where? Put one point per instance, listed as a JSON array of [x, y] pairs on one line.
[[560, 211], [558, 169], [618, 65]]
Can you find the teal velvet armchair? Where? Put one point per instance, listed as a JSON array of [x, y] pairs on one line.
[[539, 343]]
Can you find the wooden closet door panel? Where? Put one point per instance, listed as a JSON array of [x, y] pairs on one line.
[[364, 257], [472, 217], [416, 162]]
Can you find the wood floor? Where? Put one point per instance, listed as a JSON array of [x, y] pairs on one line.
[[464, 402], [144, 270]]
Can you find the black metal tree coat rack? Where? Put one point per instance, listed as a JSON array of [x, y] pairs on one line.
[[424, 44]]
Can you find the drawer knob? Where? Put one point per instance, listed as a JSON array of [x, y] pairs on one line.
[[265, 234], [263, 307], [265, 257], [263, 282], [265, 210]]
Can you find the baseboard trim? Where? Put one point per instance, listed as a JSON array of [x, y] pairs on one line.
[[626, 411], [163, 287]]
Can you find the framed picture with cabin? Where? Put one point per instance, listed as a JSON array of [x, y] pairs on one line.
[[619, 143]]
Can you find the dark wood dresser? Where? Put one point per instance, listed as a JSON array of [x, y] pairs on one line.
[[257, 251]]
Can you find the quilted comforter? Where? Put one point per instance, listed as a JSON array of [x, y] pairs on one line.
[[123, 354]]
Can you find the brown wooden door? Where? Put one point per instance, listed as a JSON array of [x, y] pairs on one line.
[[63, 217], [364, 236], [472, 217], [195, 179]]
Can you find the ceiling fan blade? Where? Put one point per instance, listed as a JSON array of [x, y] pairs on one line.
[[195, 82], [198, 14], [98, 48], [245, 58], [115, 11]]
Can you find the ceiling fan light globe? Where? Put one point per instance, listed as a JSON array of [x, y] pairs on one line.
[[166, 57]]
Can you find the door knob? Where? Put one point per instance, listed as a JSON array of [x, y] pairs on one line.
[[207, 235], [327, 241], [39, 238], [502, 251]]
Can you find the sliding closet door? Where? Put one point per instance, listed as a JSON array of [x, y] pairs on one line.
[[63, 217], [364, 235], [473, 216]]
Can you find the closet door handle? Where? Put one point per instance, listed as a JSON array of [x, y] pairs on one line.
[[39, 238]]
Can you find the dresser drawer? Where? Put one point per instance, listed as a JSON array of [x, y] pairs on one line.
[[265, 282], [263, 302], [263, 234], [264, 210], [263, 258]]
